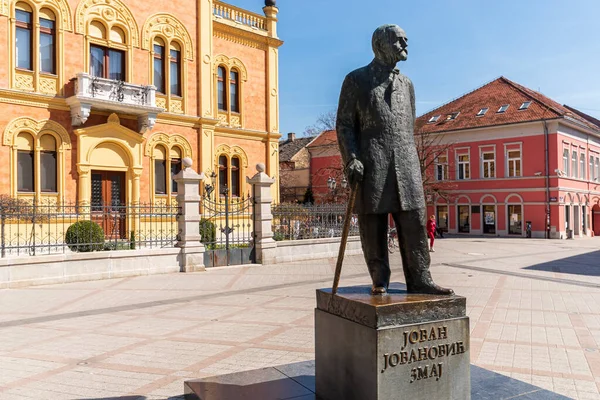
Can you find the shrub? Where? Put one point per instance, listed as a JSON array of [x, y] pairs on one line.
[[278, 236], [208, 233], [84, 236]]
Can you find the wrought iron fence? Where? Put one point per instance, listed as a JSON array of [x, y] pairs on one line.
[[310, 221], [27, 228]]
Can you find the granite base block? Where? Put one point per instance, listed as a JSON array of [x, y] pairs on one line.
[[390, 347]]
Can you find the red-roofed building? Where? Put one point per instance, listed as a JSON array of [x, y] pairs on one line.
[[326, 164], [513, 155]]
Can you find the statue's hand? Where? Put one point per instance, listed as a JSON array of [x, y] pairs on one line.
[[355, 171]]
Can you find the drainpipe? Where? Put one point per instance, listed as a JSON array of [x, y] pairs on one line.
[[547, 159]]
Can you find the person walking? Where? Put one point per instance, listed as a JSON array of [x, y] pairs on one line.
[[431, 232]]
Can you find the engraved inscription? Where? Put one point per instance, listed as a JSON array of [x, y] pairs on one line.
[[419, 345]]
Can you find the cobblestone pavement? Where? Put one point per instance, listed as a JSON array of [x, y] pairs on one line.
[[533, 304]]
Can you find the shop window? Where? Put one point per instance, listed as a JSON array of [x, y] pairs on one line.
[[442, 218], [489, 219], [441, 167], [515, 220], [488, 165], [464, 224], [514, 163], [464, 167], [24, 36]]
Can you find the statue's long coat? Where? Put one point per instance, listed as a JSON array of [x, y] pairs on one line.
[[375, 123]]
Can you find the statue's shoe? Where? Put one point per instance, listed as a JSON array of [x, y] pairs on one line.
[[429, 288], [378, 290]]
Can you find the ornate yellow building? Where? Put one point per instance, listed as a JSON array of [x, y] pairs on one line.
[[102, 99]]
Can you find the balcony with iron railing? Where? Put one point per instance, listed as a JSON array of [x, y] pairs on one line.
[[90, 92], [236, 16]]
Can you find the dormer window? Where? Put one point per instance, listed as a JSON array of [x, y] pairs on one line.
[[482, 112], [433, 119], [503, 108], [452, 116], [525, 105]]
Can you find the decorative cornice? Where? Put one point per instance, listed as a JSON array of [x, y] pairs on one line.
[[18, 97], [235, 35], [112, 11], [60, 7], [26, 124], [170, 27]]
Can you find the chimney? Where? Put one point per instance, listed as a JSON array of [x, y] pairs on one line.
[[291, 136]]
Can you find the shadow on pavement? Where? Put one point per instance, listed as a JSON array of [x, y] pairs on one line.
[[297, 382], [586, 264]]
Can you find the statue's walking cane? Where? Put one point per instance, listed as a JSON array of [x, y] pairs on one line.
[[345, 232]]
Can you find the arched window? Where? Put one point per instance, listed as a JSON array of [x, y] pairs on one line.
[[160, 170], [221, 93], [234, 91], [175, 69], [47, 41], [223, 169], [107, 61], [175, 156], [24, 36], [235, 176], [29, 173], [25, 168], [159, 65], [48, 164]]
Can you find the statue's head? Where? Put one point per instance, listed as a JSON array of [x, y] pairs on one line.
[[390, 44]]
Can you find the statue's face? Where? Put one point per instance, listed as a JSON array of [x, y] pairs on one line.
[[390, 44], [399, 43]]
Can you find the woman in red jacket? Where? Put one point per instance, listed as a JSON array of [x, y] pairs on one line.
[[431, 232]]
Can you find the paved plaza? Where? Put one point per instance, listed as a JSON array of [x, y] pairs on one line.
[[533, 304]]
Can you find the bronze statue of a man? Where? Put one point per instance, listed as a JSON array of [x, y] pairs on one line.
[[375, 128]]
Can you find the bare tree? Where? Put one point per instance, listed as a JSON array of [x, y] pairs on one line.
[[430, 148], [325, 122]]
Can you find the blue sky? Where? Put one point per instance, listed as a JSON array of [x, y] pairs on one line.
[[454, 47]]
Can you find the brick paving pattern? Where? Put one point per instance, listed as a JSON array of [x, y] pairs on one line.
[[534, 307]]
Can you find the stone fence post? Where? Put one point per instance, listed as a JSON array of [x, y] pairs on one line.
[[264, 244], [188, 221]]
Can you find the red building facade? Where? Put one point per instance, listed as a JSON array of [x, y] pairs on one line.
[[508, 157]]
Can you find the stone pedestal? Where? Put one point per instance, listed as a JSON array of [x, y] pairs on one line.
[[398, 346]]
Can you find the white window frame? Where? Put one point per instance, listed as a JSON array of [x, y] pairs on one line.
[[592, 169], [566, 160], [597, 168], [509, 147], [582, 164], [574, 163], [443, 165], [483, 150], [465, 151]]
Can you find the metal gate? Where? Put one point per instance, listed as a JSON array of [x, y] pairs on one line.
[[226, 229]]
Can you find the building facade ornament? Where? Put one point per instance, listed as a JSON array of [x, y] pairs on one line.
[[170, 27], [113, 12]]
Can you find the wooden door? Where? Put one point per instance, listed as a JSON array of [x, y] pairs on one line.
[[108, 203]]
